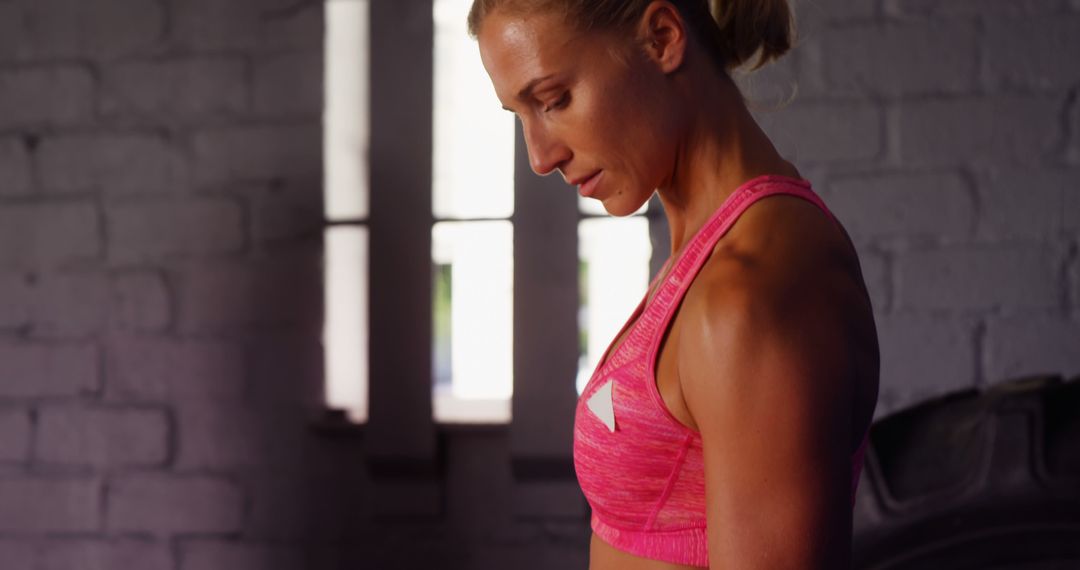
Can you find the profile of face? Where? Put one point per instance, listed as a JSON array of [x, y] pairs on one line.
[[592, 105]]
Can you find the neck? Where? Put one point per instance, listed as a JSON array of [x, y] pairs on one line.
[[722, 147]]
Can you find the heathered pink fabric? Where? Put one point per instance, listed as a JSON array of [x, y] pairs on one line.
[[645, 481]]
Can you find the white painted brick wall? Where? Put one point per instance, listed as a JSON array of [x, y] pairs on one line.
[[157, 369], [15, 429], [902, 206], [40, 504], [49, 95], [49, 233], [141, 230], [101, 436], [31, 370], [15, 166], [163, 504], [1004, 278], [113, 164], [981, 130], [188, 88], [939, 57], [87, 554]]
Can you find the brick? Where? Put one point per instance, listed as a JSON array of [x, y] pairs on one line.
[[49, 505], [17, 291], [923, 357], [1032, 344], [875, 272], [1034, 52], [139, 301], [834, 10], [70, 28], [890, 205], [196, 87], [15, 166], [45, 96], [286, 371], [825, 132], [289, 84], [286, 214], [214, 555], [165, 369], [908, 8], [898, 60], [120, 164], [11, 30], [96, 554], [144, 229], [271, 291], [48, 233], [292, 507], [210, 25], [258, 153], [40, 370], [1024, 203], [78, 304], [218, 434], [1071, 209], [168, 504], [17, 554], [14, 435], [980, 277], [1072, 121], [998, 130], [70, 305], [101, 437]]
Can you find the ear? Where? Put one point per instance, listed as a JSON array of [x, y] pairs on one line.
[[664, 35]]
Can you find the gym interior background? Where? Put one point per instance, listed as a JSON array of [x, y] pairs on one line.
[[162, 239]]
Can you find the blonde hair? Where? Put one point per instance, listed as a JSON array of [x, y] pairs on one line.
[[736, 32]]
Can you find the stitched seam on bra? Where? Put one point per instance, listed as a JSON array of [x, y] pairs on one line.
[[672, 477]]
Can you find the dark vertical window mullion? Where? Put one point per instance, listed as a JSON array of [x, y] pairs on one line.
[[400, 437], [545, 321]]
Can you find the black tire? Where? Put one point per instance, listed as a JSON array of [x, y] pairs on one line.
[[975, 480]]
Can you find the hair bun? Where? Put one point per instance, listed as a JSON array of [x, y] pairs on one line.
[[752, 30]]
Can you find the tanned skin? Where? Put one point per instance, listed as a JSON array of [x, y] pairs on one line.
[[772, 355]]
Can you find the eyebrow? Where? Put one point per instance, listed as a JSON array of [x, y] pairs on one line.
[[527, 90]]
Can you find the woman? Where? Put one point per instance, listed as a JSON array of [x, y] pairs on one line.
[[725, 427]]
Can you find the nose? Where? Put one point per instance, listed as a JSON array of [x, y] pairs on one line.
[[546, 152]]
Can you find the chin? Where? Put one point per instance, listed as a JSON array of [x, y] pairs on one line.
[[620, 206]]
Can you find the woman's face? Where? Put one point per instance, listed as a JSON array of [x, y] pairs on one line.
[[585, 112]]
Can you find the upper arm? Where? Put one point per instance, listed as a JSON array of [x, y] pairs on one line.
[[764, 373]]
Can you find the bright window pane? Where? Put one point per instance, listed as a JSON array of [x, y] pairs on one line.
[[345, 325], [345, 111], [614, 254], [473, 328], [474, 136]]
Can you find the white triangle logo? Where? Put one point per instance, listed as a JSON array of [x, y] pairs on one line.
[[601, 404]]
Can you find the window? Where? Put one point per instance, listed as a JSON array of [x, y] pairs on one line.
[[471, 220]]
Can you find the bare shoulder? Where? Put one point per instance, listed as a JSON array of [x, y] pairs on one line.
[[782, 249], [782, 288]]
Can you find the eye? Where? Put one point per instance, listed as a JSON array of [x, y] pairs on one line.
[[561, 103]]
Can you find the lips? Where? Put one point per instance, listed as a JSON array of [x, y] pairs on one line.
[[586, 184], [582, 180]]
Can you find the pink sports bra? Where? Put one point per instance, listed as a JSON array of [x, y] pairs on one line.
[[641, 470]]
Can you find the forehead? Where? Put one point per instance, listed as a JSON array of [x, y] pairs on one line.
[[517, 48]]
